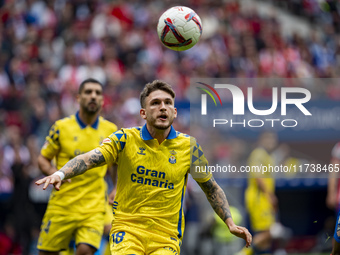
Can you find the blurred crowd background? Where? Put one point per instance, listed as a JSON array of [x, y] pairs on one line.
[[48, 47]]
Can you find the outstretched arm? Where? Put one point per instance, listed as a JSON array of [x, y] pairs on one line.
[[74, 167], [219, 203]]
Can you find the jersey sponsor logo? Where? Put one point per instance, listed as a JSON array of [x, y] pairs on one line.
[[172, 157], [150, 177], [141, 151]]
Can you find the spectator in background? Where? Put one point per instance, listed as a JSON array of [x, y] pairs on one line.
[[6, 187], [17, 156], [8, 240]]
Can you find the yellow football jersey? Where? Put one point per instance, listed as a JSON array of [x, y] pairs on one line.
[[68, 138], [257, 158], [152, 178], [263, 216]]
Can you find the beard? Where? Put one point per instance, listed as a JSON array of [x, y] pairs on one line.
[[91, 110], [161, 126]]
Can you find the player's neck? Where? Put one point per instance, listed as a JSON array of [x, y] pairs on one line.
[[87, 118], [159, 134]]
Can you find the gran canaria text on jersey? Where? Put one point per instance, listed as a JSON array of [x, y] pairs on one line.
[[141, 170]]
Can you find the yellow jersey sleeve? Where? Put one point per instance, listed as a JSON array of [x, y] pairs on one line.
[[112, 146], [199, 163], [51, 146]]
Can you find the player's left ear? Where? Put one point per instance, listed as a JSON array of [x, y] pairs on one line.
[[175, 113], [142, 113]]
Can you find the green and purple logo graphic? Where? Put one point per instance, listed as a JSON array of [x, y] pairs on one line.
[[204, 97]]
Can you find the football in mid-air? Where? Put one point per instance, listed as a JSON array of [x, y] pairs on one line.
[[179, 28]]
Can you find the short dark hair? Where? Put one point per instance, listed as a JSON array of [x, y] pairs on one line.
[[89, 80], [153, 86]]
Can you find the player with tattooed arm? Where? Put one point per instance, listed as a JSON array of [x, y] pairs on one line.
[[153, 166]]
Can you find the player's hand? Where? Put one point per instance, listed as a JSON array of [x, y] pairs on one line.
[[112, 196], [241, 232], [51, 179]]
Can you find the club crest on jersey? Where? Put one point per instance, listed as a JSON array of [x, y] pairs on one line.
[[141, 151], [172, 157]]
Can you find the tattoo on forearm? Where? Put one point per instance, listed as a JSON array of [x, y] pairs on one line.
[[216, 198], [80, 164], [77, 167], [97, 159]]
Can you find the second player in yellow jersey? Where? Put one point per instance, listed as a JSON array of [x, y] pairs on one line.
[[77, 210]]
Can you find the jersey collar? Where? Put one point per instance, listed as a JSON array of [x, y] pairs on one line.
[[83, 125], [146, 135]]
